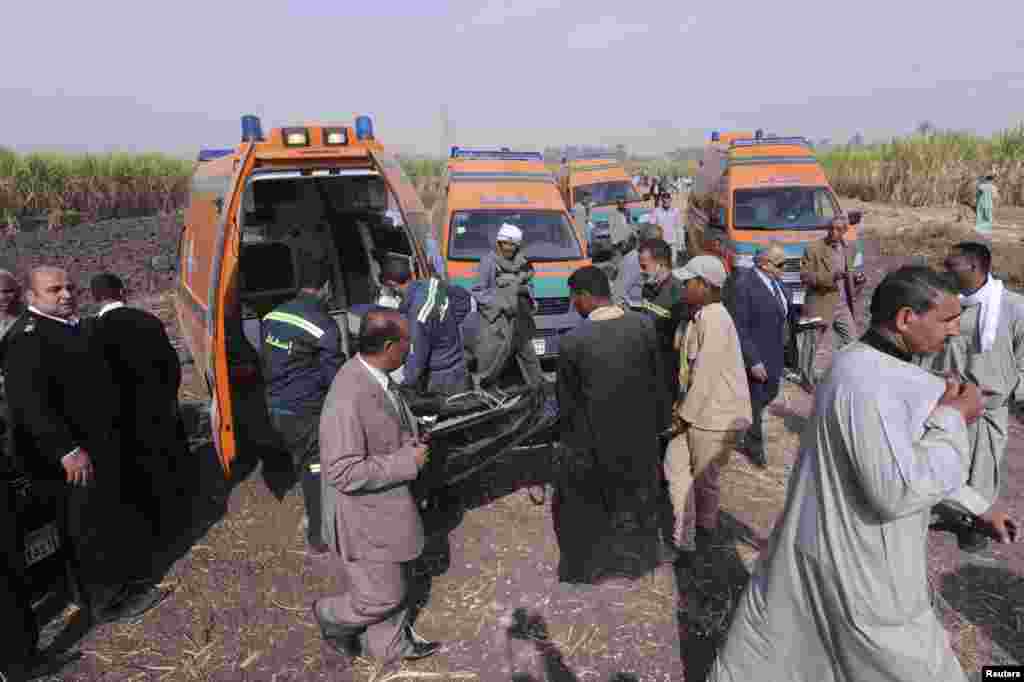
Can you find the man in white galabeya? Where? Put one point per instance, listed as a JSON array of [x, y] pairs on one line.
[[842, 593], [989, 352]]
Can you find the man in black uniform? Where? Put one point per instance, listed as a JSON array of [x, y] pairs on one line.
[[301, 354], [63, 415], [146, 373], [663, 301]]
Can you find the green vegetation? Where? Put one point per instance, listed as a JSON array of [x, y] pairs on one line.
[[70, 188], [930, 168], [663, 167]]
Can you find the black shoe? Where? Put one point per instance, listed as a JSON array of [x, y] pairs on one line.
[[419, 647], [972, 541], [344, 639], [133, 601]]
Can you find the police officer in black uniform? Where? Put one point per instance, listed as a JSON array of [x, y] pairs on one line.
[[301, 354], [63, 413]]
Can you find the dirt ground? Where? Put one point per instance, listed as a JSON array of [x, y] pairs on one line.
[[240, 584]]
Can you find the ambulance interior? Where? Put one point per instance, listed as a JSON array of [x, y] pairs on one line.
[[339, 220]]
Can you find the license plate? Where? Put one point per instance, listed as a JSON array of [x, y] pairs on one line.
[[540, 346], [41, 543], [798, 297]]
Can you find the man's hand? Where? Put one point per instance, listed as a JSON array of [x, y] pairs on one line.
[[421, 455], [759, 373], [78, 468], [963, 397], [859, 278], [998, 526]]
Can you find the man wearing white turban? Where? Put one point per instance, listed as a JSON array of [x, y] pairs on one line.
[[506, 307]]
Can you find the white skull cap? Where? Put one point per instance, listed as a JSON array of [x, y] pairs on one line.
[[510, 233]]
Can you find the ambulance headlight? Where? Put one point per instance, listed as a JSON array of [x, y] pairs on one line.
[[335, 136], [295, 137]]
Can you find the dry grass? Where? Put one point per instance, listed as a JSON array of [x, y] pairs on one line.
[[934, 239]]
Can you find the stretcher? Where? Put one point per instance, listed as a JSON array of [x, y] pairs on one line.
[[470, 432]]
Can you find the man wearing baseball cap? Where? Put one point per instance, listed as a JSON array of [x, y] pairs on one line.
[[715, 409]]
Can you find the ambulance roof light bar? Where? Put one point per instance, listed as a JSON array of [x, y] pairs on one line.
[[770, 140], [211, 154], [503, 154], [251, 129], [577, 154]]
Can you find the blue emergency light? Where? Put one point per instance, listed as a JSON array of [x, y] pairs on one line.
[[715, 137], [251, 129], [364, 128], [211, 154], [759, 134]]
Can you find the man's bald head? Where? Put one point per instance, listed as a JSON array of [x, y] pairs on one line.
[[771, 259], [384, 339], [42, 273], [50, 291]]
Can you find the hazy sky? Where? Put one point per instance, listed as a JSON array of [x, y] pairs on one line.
[[176, 76]]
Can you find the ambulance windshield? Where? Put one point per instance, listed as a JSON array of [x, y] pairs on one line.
[[783, 208], [547, 235], [606, 193]]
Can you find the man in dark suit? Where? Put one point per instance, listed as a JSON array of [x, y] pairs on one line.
[[369, 454], [146, 373], [760, 306], [63, 412]]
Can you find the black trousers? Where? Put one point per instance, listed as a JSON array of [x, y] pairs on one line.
[[300, 438], [108, 540], [153, 445], [21, 631], [759, 400]]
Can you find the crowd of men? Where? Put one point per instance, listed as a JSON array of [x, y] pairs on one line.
[[909, 429], [91, 412]]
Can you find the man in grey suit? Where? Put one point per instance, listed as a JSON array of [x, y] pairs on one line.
[[369, 453]]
